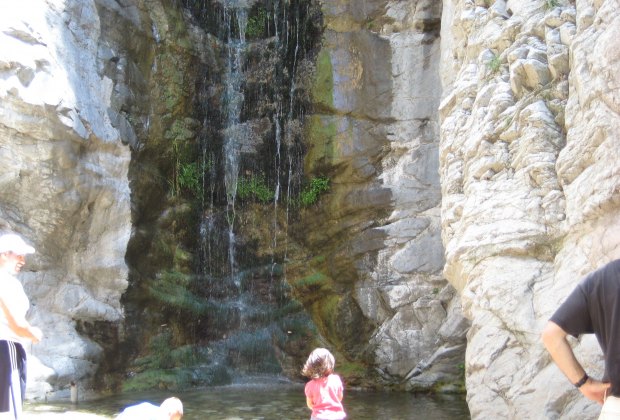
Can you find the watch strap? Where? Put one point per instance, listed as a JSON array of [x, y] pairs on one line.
[[582, 381]]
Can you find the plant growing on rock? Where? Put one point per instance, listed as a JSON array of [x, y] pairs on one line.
[[313, 281], [494, 64], [371, 25], [186, 172], [189, 177], [256, 24], [550, 4], [310, 194], [255, 187]]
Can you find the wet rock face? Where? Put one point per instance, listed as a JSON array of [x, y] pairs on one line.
[[529, 191], [207, 260], [373, 275], [101, 99]]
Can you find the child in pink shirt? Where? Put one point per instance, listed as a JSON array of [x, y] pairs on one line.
[[324, 391]]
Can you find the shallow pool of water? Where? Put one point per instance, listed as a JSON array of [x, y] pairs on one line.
[[278, 402]]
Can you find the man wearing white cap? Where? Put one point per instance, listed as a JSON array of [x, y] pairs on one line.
[[13, 325]]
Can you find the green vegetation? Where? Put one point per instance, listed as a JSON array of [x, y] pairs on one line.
[[319, 259], [166, 367], [257, 23], [348, 369], [287, 310], [321, 135], [371, 25], [550, 4], [329, 308], [160, 356], [494, 64], [460, 383], [177, 378], [255, 187], [154, 379], [171, 289], [189, 177], [179, 133], [171, 83], [327, 311], [310, 194], [313, 280], [186, 174], [323, 88]]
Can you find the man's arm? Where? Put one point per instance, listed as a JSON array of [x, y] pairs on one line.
[[554, 339], [23, 328]]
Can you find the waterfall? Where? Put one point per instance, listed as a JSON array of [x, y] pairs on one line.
[[233, 100], [221, 308]]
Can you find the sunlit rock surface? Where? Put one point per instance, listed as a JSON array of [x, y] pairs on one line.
[[375, 239], [529, 174], [64, 181]]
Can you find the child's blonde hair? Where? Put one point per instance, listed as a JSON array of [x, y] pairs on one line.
[[320, 363]]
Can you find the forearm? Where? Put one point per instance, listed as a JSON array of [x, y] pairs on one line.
[[554, 339], [20, 327], [25, 330]]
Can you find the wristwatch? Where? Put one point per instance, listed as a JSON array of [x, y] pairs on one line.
[[582, 381]]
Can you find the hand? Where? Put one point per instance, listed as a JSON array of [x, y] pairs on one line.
[[37, 334], [595, 390]]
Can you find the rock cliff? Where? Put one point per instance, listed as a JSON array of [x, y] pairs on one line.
[[64, 180], [91, 105], [470, 142], [375, 132], [529, 128]]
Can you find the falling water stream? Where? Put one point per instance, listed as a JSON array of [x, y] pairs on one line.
[[233, 131], [247, 142]]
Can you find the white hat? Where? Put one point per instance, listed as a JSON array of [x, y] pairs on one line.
[[10, 242]]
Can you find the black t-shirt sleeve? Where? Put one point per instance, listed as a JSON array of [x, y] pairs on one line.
[[573, 315]]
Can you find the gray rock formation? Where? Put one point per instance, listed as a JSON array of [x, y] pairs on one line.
[[527, 163], [64, 181], [384, 210]]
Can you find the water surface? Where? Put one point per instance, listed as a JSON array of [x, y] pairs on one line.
[[279, 402]]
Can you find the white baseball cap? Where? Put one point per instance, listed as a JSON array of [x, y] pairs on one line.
[[10, 242]]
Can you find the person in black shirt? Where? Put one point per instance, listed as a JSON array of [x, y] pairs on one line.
[[592, 308]]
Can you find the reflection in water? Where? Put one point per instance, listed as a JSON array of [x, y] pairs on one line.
[[286, 402]]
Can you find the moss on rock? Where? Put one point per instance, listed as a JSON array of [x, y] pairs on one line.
[[323, 88]]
